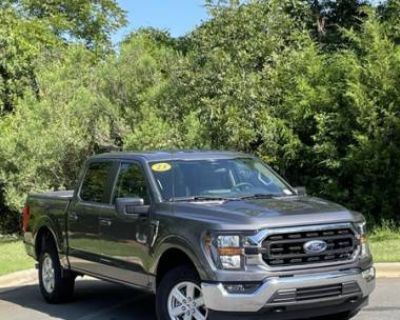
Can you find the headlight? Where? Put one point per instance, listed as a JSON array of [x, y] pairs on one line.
[[362, 231], [230, 252]]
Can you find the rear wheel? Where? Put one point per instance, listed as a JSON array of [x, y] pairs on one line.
[[179, 296], [56, 284]]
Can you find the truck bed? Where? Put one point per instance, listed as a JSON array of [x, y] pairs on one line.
[[47, 209]]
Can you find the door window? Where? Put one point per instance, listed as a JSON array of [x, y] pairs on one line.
[[131, 183], [95, 182]]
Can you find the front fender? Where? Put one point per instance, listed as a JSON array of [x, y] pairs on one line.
[[182, 244]]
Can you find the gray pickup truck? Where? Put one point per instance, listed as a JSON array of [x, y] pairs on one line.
[[214, 235]]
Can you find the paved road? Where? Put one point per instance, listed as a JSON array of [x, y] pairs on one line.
[[97, 300]]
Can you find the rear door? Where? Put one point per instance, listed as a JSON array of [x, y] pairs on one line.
[[83, 216]]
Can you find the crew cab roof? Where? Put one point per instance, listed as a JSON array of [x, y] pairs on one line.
[[172, 155]]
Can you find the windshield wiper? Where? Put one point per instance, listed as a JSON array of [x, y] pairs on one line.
[[259, 196], [202, 198]]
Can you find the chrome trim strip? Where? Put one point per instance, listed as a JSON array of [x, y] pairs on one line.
[[259, 237]]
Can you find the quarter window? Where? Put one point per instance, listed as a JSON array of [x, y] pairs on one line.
[[95, 182]]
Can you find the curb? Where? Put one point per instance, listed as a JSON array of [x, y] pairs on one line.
[[387, 269], [16, 279], [19, 278]]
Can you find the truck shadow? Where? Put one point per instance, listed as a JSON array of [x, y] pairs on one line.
[[93, 299]]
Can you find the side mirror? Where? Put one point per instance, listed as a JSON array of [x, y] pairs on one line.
[[300, 191], [132, 207]]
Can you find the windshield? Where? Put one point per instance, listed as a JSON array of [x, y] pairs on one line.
[[221, 178]]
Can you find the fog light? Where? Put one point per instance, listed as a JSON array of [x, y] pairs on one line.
[[241, 288], [369, 274]]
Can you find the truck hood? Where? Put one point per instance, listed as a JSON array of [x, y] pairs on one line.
[[262, 213]]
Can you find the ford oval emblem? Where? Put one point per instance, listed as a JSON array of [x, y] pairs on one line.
[[315, 246]]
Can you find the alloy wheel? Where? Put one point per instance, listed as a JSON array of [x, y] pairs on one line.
[[48, 274], [185, 302]]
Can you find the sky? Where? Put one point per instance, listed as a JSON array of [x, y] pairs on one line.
[[176, 16]]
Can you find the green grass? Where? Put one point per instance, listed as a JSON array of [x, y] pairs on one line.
[[386, 231], [386, 250], [385, 242], [13, 256]]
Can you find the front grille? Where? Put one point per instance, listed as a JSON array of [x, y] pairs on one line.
[[286, 249], [314, 293]]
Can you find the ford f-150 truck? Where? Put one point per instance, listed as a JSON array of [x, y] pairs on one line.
[[214, 235]]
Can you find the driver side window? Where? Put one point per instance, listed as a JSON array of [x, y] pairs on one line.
[[131, 183]]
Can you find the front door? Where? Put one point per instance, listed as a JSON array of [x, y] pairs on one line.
[[124, 239]]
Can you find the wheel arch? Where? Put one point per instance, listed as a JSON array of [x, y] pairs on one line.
[[43, 234], [173, 254]]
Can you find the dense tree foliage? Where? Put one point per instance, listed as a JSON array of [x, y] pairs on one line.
[[21, 41], [89, 21], [309, 86]]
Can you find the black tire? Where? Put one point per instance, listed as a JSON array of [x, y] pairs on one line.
[[168, 282], [64, 280]]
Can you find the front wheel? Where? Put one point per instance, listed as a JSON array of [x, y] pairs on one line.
[[179, 296], [56, 284]]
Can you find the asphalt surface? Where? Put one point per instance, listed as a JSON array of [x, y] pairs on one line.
[[105, 301]]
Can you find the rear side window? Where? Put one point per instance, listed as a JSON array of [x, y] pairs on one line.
[[95, 182]]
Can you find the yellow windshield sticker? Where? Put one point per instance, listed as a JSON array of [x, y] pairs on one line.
[[161, 167]]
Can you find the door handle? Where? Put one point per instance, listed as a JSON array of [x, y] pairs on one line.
[[72, 216], [105, 222]]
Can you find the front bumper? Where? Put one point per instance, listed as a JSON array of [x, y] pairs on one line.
[[217, 298]]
